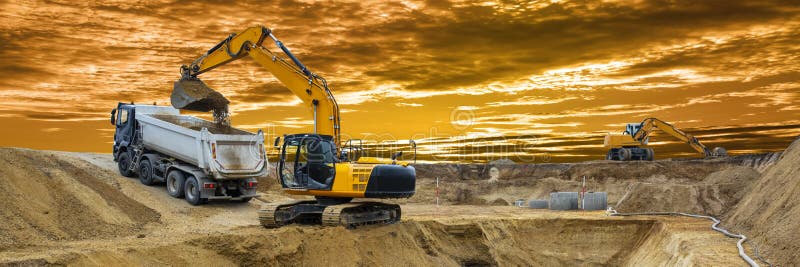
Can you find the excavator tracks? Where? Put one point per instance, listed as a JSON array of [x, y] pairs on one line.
[[352, 215], [349, 215], [267, 213]]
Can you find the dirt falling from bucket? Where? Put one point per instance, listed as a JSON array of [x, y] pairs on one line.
[[222, 117]]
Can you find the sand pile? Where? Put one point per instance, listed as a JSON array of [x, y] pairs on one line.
[[770, 212], [47, 198]]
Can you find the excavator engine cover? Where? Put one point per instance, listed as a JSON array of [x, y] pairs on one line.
[[194, 94]]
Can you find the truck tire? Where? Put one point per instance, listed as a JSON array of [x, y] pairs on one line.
[[123, 164], [192, 191], [146, 172], [175, 183], [245, 199]]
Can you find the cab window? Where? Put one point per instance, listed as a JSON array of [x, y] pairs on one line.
[[123, 117], [287, 170]]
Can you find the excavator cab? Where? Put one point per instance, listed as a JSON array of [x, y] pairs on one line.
[[308, 161], [633, 128]]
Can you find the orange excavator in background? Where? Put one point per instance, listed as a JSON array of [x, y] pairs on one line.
[[317, 164], [630, 144]]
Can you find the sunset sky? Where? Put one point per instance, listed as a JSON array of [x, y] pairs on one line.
[[531, 81]]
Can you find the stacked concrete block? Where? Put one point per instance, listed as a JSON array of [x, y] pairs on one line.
[[595, 201], [564, 201]]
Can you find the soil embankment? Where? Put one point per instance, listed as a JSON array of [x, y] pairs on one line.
[[770, 211]]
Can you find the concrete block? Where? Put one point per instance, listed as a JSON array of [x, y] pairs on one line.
[[538, 204], [595, 201], [564, 201]]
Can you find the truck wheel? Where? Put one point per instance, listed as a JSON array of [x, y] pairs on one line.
[[146, 172], [245, 199], [175, 182], [192, 191], [123, 164]]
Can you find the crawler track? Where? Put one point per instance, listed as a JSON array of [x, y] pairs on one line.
[[352, 215], [349, 215]]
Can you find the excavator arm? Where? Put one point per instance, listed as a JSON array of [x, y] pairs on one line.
[[311, 88], [650, 124]]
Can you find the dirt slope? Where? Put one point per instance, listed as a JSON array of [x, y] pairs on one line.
[[770, 212], [48, 198]]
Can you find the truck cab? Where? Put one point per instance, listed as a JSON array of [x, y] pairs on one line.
[[123, 120]]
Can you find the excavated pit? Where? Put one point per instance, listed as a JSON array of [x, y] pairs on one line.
[[586, 240], [521, 242]]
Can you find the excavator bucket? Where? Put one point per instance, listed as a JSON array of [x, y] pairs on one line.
[[194, 94]]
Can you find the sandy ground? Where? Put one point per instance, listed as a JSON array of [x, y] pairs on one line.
[[74, 209]]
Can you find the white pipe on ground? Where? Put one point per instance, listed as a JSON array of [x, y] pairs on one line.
[[742, 238]]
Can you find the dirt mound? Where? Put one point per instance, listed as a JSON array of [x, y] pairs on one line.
[[770, 212], [49, 198]]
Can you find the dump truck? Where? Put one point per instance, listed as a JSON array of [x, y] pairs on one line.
[[198, 160]]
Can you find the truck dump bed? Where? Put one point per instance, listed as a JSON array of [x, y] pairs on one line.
[[221, 151]]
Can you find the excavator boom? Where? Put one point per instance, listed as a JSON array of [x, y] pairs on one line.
[[191, 93], [650, 124]]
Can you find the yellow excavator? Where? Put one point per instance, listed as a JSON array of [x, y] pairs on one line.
[[630, 144], [315, 164]]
